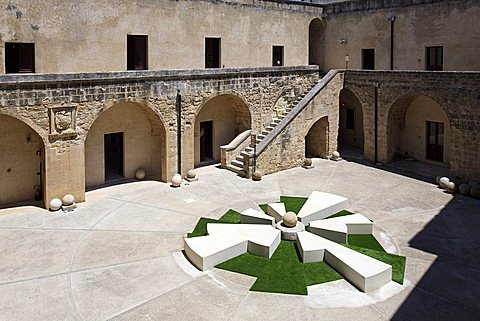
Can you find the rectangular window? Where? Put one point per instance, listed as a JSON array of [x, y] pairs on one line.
[[137, 52], [277, 56], [434, 58], [19, 57], [212, 52], [350, 123], [368, 59]]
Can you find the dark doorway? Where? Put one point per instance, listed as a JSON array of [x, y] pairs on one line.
[[19, 57], [368, 59], [206, 141], [434, 58], [212, 52], [435, 135], [137, 49], [277, 56], [113, 144]]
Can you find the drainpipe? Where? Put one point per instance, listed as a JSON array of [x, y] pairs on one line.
[[179, 132], [392, 25], [376, 85]]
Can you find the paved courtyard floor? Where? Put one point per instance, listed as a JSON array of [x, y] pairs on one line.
[[119, 255]]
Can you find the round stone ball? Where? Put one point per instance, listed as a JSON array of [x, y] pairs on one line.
[[475, 190], [191, 174], [443, 181], [140, 173], [335, 155], [176, 180], [68, 199], [307, 162], [464, 189], [55, 204], [290, 219], [257, 175], [450, 187]]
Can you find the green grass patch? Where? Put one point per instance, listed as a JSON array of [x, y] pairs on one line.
[[200, 229], [367, 241], [341, 213], [293, 203], [396, 261], [283, 273], [263, 207]]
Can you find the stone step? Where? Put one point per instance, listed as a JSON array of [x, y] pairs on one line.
[[237, 163], [265, 132], [261, 136], [236, 169], [239, 158], [245, 153]]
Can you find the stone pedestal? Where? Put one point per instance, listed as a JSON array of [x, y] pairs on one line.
[[290, 233]]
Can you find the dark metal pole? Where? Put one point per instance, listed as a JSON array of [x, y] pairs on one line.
[[179, 132], [392, 24], [376, 85]]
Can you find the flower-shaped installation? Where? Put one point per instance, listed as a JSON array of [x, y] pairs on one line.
[[304, 257]]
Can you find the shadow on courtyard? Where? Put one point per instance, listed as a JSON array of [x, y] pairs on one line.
[[413, 169], [450, 288]]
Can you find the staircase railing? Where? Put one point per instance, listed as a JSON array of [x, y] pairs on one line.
[[231, 150], [294, 112]]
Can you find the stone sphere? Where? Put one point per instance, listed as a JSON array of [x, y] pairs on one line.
[[335, 155], [443, 181], [191, 174], [290, 219], [176, 180], [68, 199], [257, 175], [464, 189], [475, 190], [450, 187], [140, 173], [55, 204], [307, 162]]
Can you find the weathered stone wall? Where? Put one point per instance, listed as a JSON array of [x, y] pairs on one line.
[[458, 93], [90, 35], [365, 24], [288, 148], [62, 109]]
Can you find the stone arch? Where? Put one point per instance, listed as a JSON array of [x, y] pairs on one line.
[[37, 129], [351, 120], [228, 114], [144, 138], [407, 122], [316, 43], [22, 165], [316, 138]]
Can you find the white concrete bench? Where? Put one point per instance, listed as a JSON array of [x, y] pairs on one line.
[[252, 216], [337, 228], [320, 205], [263, 240], [276, 210], [364, 272], [207, 251]]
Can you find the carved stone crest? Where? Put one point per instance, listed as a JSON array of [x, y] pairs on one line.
[[62, 120]]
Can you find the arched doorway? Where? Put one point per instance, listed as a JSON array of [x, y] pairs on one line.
[[418, 128], [350, 126], [316, 140], [217, 123], [316, 43], [21, 162], [124, 138]]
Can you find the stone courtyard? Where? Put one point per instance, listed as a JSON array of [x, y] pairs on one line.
[[118, 256]]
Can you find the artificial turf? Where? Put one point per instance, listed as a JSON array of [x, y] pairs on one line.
[[284, 272], [200, 229]]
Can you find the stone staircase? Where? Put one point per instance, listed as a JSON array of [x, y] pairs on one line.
[[237, 165]]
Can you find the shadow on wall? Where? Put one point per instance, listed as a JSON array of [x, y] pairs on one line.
[[450, 287]]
